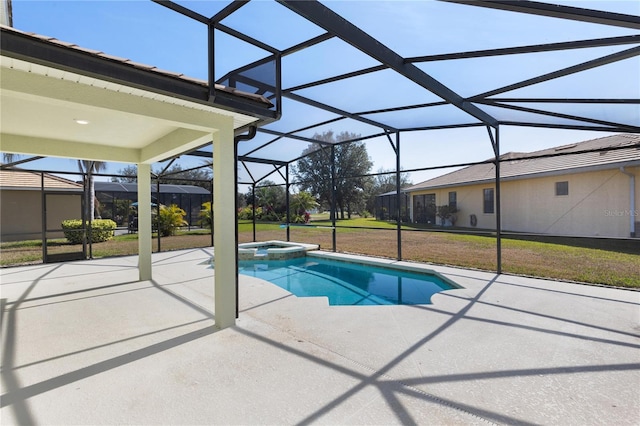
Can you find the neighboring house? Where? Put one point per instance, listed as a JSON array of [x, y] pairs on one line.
[[21, 204], [578, 194], [116, 197]]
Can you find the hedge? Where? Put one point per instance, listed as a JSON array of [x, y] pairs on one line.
[[101, 230]]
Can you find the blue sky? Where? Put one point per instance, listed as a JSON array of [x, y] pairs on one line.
[[148, 33]]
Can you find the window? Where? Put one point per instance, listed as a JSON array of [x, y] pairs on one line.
[[453, 200], [488, 201], [562, 188]]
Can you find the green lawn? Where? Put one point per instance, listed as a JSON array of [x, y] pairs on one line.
[[596, 261]]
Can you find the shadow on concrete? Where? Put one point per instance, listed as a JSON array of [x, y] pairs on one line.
[[10, 379], [16, 396]]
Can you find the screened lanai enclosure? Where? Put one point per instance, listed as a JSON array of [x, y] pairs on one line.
[[119, 199], [466, 98]]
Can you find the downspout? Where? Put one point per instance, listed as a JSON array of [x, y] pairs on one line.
[[6, 13], [632, 201], [252, 134]]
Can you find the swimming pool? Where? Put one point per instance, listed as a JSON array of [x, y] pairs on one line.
[[347, 283]]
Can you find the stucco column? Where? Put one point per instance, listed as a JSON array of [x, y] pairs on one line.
[[144, 221], [224, 220]]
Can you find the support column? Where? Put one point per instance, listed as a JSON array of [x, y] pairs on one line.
[[498, 205], [632, 202], [334, 207], [398, 199], [224, 218], [158, 211], [253, 210], [144, 221], [495, 143], [288, 204]]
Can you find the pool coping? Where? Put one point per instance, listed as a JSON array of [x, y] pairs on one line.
[[385, 263], [288, 250]]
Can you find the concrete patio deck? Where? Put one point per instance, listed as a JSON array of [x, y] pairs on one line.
[[86, 343]]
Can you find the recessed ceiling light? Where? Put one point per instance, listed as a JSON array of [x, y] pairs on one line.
[[81, 121]]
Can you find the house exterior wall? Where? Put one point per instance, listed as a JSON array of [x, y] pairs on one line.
[[469, 202], [21, 214], [598, 204]]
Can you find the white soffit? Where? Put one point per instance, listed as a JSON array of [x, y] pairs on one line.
[[43, 102]]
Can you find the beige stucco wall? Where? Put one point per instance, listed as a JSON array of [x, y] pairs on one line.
[[469, 200], [597, 204], [21, 214]]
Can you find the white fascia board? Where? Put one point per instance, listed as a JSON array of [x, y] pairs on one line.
[[66, 149]]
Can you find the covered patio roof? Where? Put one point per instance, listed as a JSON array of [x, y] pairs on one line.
[[61, 100]]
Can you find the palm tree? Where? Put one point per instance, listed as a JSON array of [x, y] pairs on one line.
[[303, 202], [91, 167], [300, 205]]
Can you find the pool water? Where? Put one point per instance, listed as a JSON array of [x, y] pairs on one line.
[[263, 249], [346, 283]]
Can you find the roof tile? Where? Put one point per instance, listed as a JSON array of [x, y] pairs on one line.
[[150, 68], [602, 152]]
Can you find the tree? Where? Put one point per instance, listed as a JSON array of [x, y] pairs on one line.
[[174, 175], [301, 203], [88, 168], [271, 198], [383, 182], [127, 175], [313, 171]]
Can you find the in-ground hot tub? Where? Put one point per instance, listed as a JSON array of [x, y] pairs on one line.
[[273, 250]]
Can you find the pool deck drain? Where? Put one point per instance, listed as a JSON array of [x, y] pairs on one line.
[[86, 343]]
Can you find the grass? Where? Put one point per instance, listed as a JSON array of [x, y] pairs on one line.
[[595, 261]]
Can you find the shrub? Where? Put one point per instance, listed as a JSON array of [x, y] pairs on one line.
[[247, 213], [170, 219], [206, 216], [445, 212], [297, 218], [101, 230], [271, 216]]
